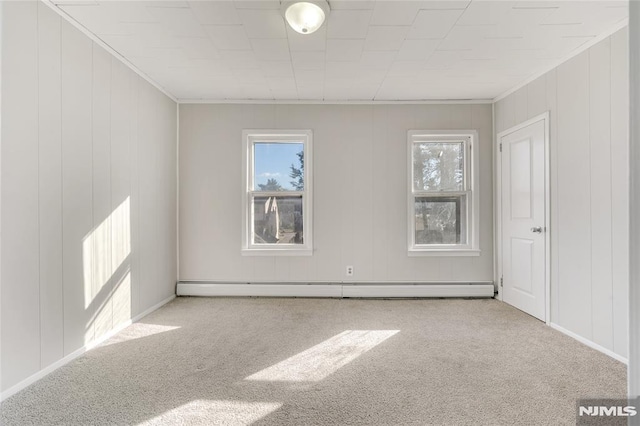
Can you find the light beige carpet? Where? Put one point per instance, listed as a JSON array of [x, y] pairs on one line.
[[206, 361]]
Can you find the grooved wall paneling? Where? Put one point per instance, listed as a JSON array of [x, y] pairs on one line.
[[588, 102], [360, 192], [88, 183]]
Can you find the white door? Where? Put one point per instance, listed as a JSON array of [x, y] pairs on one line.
[[523, 218]]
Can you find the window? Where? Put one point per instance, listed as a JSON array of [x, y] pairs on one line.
[[277, 192], [443, 195]]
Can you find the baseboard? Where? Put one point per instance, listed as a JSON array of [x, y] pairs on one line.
[[75, 354], [419, 290], [335, 290], [153, 308], [589, 343], [259, 290]]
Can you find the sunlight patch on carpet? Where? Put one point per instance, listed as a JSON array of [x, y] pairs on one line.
[[206, 412], [320, 361], [138, 330]]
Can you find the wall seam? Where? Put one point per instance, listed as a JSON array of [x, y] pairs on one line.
[[373, 203], [549, 197], [61, 188], [611, 166], [177, 194], [633, 376], [1, 104], [93, 167], [137, 168], [589, 101], [557, 186], [560, 183], [114, 285], [38, 180]]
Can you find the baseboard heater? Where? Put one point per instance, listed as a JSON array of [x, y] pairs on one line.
[[336, 290]]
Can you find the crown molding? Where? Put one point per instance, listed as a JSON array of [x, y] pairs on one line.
[[614, 29], [64, 15], [334, 102]]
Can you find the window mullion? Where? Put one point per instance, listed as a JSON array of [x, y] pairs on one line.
[[277, 193], [440, 193]]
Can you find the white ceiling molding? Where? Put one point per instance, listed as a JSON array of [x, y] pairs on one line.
[[620, 25], [52, 5], [336, 102]]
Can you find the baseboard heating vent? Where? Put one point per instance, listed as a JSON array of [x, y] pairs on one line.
[[337, 290]]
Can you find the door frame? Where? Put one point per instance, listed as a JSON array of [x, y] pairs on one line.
[[547, 209]]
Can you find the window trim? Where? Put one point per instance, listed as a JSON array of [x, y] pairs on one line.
[[249, 138], [472, 189]]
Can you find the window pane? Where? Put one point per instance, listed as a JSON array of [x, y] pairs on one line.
[[278, 166], [277, 220], [441, 220], [438, 166]]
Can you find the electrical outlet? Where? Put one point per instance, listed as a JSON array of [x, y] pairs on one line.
[[349, 271]]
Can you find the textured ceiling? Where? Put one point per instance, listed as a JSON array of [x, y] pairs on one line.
[[367, 50]]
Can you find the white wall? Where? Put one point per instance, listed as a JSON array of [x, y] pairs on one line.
[[360, 193], [588, 100], [634, 294], [88, 191]]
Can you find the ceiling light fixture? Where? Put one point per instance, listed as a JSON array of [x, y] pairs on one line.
[[305, 17]]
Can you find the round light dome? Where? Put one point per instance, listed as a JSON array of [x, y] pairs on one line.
[[304, 17]]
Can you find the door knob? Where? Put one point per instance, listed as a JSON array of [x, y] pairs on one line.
[[537, 230]]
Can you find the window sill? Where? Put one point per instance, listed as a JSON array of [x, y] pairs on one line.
[[444, 252], [277, 252]]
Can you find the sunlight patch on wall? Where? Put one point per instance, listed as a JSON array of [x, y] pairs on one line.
[[228, 413], [103, 320], [122, 301], [105, 250], [138, 330], [320, 361]]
